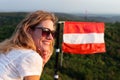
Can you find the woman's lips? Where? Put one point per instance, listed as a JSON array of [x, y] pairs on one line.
[[46, 42]]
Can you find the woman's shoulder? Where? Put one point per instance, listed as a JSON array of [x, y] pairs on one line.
[[23, 53], [29, 63]]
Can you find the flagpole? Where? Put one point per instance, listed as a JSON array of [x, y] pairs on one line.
[[56, 76]]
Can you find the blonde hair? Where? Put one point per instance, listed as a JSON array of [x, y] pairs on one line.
[[21, 37]]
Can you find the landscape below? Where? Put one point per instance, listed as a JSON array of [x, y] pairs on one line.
[[101, 66]]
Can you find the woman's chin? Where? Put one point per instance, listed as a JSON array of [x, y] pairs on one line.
[[46, 48], [45, 59]]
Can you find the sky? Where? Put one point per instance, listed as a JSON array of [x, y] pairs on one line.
[[66, 6]]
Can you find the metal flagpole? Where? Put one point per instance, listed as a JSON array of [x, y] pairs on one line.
[[56, 76]]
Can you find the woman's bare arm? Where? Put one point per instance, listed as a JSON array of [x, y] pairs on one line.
[[35, 77]]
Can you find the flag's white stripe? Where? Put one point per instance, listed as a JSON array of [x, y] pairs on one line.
[[83, 38]]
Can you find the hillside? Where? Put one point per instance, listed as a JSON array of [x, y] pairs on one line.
[[103, 66], [68, 16], [89, 17]]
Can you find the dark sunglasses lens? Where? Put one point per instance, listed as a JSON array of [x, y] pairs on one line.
[[47, 32], [53, 34]]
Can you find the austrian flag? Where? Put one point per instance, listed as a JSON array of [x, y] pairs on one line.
[[83, 37]]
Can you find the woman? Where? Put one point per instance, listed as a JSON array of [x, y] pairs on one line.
[[23, 56]]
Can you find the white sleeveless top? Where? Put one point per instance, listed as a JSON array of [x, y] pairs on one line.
[[19, 63]]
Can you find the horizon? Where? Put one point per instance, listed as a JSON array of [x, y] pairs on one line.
[[89, 14]]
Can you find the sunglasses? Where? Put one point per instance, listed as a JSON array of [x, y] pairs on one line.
[[46, 32]]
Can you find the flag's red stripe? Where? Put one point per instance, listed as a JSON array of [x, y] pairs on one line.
[[83, 48], [83, 27]]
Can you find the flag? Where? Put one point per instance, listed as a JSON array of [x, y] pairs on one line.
[[83, 37]]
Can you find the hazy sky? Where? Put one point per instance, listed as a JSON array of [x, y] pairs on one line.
[[69, 6]]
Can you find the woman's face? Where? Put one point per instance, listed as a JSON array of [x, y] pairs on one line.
[[43, 39]]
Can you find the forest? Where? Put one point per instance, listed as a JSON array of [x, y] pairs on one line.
[[101, 66]]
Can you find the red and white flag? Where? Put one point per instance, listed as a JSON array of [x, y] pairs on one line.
[[83, 37]]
